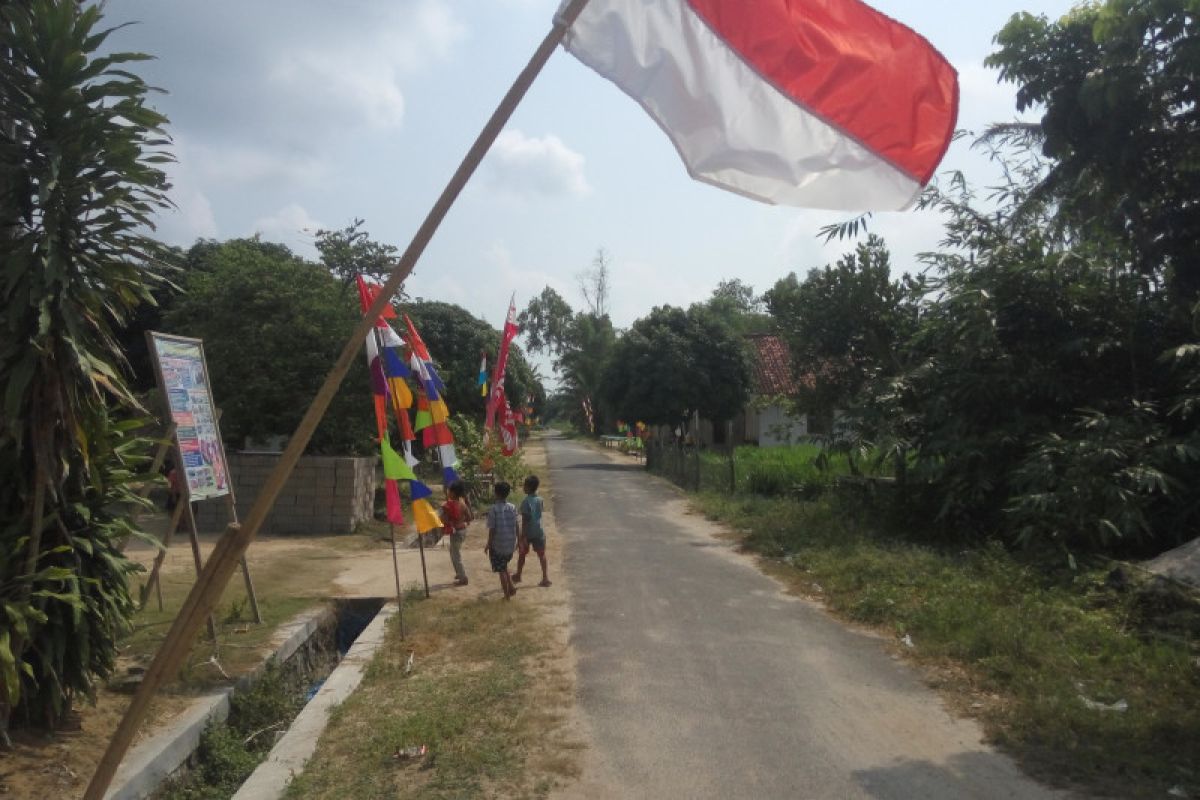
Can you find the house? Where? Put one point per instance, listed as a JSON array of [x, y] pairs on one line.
[[764, 421]]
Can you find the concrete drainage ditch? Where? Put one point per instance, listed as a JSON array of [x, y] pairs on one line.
[[320, 657]]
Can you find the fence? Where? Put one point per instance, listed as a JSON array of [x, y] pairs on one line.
[[802, 470], [692, 467]]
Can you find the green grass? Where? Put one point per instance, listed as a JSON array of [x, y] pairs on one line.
[[1017, 643], [474, 698], [800, 470]]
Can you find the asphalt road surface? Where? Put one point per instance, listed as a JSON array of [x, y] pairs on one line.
[[700, 678]]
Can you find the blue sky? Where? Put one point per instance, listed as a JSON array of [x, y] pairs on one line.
[[292, 116]]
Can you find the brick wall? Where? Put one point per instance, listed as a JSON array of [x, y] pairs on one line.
[[324, 495]]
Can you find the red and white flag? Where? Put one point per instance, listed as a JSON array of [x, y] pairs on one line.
[[818, 103], [496, 399]]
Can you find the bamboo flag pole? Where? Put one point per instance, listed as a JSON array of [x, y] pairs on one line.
[[233, 543], [396, 572]]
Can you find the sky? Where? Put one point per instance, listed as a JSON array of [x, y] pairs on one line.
[[289, 117]]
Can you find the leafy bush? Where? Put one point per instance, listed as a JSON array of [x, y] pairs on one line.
[[80, 152]]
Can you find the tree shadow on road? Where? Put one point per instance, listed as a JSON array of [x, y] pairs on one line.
[[975, 775], [607, 467]]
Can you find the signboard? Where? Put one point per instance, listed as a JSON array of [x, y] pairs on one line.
[[183, 377]]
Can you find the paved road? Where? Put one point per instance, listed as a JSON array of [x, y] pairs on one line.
[[698, 678]]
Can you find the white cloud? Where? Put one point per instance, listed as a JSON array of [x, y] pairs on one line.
[[533, 165], [239, 164], [292, 225], [191, 219]]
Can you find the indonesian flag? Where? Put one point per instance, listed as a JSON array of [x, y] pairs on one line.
[[818, 103], [496, 399]]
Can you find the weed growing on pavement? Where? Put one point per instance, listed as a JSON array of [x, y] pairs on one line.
[[1046, 657]]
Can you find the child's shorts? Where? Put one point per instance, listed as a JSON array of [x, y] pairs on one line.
[[536, 545], [500, 560]]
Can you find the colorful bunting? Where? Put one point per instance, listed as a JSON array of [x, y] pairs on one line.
[[390, 361]]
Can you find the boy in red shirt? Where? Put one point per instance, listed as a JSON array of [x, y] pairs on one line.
[[456, 516]]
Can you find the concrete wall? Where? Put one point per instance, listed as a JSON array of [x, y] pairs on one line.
[[772, 427], [324, 495]]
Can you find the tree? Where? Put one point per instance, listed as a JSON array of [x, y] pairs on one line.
[[580, 342], [844, 323], [80, 178], [594, 285], [736, 303], [546, 322], [350, 252], [673, 363], [272, 324], [1120, 84]]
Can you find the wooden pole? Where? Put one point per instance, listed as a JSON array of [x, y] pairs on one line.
[[424, 572], [233, 515], [396, 570], [237, 538], [194, 535], [153, 582]]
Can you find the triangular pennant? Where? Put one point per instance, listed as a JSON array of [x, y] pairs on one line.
[[394, 467], [406, 431], [395, 512], [409, 458], [438, 411], [441, 433], [419, 490], [401, 395], [393, 364], [381, 415], [449, 476], [367, 292], [447, 455], [424, 517]]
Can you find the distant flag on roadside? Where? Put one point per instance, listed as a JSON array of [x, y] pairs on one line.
[[483, 381], [496, 400], [817, 103]]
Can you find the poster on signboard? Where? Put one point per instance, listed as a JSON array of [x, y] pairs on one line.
[[183, 376]]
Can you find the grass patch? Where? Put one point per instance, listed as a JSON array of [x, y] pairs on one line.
[[479, 697], [1019, 645]]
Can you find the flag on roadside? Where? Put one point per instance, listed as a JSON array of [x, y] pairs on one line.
[[818, 103], [367, 292], [483, 381], [496, 398]]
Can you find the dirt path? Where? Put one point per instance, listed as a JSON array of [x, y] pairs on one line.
[[698, 676]]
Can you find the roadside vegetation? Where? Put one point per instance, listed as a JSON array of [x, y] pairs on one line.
[[1089, 676]]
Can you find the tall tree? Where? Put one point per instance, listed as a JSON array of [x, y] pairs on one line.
[[80, 178], [351, 251], [272, 323], [1120, 84], [673, 363], [578, 341], [844, 323]]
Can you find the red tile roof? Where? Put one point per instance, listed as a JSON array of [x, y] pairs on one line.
[[772, 366]]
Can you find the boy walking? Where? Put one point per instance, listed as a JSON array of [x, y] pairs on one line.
[[502, 536], [533, 536], [456, 515]]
